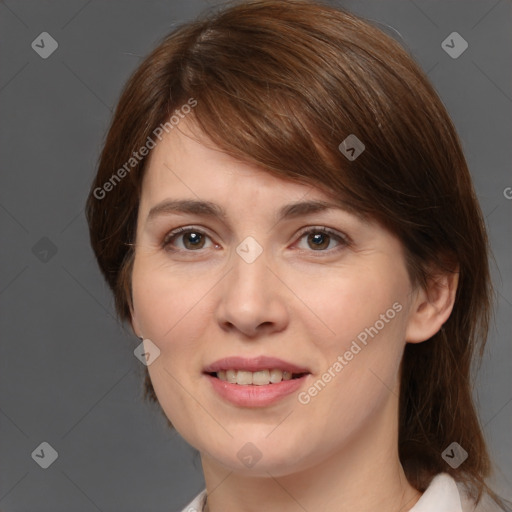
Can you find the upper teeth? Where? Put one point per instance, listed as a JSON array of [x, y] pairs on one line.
[[259, 378]]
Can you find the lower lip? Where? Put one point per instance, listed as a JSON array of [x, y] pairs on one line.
[[255, 396]]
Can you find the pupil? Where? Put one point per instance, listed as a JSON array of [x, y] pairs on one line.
[[319, 240], [194, 238]]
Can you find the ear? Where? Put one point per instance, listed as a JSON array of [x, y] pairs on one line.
[[135, 324], [432, 306]]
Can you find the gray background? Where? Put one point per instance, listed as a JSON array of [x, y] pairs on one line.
[[68, 373]]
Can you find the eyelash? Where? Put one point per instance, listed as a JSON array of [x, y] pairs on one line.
[[343, 240]]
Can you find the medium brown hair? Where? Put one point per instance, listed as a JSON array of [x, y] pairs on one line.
[[281, 84]]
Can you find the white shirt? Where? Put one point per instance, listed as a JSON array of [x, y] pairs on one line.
[[443, 495]]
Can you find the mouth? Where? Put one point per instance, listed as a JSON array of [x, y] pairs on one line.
[[258, 382], [257, 378]]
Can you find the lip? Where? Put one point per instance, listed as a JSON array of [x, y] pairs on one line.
[[254, 364], [253, 395]]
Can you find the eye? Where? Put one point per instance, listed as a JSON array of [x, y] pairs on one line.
[[186, 239], [190, 239], [323, 239]]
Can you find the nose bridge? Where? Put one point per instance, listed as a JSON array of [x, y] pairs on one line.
[[249, 274], [251, 296]]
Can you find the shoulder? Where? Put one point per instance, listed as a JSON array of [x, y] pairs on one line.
[[197, 504], [444, 494]]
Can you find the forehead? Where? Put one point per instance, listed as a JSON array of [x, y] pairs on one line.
[[186, 163]]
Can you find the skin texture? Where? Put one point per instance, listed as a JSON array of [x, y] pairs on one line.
[[295, 302]]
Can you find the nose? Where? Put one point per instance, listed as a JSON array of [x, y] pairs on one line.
[[252, 299]]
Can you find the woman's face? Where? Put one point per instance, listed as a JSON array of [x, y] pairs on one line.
[[261, 270]]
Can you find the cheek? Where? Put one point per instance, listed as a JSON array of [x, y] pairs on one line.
[[163, 299], [357, 305], [169, 310], [366, 317]]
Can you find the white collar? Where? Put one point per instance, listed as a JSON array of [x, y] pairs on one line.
[[442, 495]]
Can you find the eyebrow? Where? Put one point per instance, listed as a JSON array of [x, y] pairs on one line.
[[209, 209]]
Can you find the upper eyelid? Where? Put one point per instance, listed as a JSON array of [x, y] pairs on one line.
[[180, 231], [303, 231], [324, 229], [184, 229]]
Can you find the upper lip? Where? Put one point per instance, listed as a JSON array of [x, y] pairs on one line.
[[254, 364]]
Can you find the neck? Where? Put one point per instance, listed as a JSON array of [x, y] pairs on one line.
[[364, 475]]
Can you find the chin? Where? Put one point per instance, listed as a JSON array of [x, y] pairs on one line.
[[259, 456]]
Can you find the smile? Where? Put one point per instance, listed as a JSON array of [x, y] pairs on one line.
[[256, 382], [259, 378]]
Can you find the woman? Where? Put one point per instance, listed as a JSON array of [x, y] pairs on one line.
[[284, 214]]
